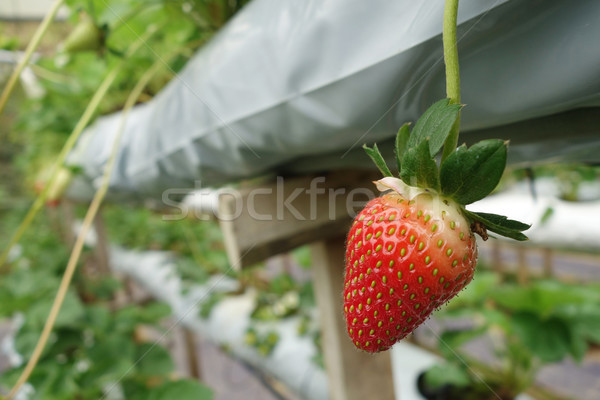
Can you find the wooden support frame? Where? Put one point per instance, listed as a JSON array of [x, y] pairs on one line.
[[353, 374], [264, 220]]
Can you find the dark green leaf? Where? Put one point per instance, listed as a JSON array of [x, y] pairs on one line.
[[578, 345], [549, 339], [153, 360], [378, 159], [181, 390], [435, 124], [419, 169], [508, 228], [585, 317], [402, 143], [449, 374], [503, 221], [543, 297], [468, 175]]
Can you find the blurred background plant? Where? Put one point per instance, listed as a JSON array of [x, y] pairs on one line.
[[522, 328], [95, 343]]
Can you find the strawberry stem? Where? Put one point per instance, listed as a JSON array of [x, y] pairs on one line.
[[452, 72]]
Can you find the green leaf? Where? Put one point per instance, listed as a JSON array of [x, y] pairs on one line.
[[503, 221], [500, 225], [585, 317], [402, 143], [468, 175], [449, 374], [181, 390], [546, 215], [549, 339], [451, 340], [435, 124], [153, 360], [538, 298], [378, 159], [578, 346], [476, 292], [419, 169]]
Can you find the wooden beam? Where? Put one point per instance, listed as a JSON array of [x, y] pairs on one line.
[[353, 374], [273, 218]]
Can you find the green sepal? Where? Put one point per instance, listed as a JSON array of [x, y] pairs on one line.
[[377, 158], [435, 124], [402, 143], [500, 224], [419, 169], [468, 175]]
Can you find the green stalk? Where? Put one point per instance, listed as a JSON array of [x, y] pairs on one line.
[[70, 143], [33, 44], [87, 223], [452, 72]]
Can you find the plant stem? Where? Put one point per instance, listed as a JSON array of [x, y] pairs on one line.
[[452, 72], [33, 44], [87, 223], [69, 144]]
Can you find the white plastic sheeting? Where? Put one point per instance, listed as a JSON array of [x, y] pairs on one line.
[[555, 222], [292, 86]]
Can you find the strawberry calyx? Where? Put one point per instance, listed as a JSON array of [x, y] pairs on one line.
[[466, 175]]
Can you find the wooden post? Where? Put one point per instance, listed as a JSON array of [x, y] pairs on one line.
[[353, 374], [191, 346], [497, 263], [548, 262], [522, 267]]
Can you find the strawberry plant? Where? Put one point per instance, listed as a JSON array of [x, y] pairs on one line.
[[413, 249]]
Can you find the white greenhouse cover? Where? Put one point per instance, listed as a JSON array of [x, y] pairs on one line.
[[299, 86]]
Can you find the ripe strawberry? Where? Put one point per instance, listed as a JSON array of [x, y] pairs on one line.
[[413, 249], [404, 259]]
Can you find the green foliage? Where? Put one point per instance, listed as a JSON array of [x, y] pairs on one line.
[[303, 256], [570, 177], [434, 125], [184, 389], [468, 175], [535, 324], [102, 31], [438, 376], [140, 228], [465, 175], [418, 168], [377, 158], [94, 348], [263, 342], [402, 144], [500, 224]]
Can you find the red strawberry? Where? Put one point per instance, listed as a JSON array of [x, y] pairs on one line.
[[403, 260], [413, 249]]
